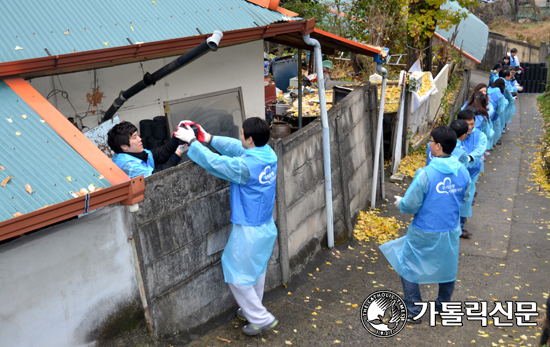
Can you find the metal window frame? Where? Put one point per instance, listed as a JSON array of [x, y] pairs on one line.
[[239, 91]]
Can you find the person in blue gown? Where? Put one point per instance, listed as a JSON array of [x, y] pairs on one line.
[[428, 253], [483, 110], [250, 166], [506, 75], [474, 145], [500, 103], [494, 72], [133, 159]]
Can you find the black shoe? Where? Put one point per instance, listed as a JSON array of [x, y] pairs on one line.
[[465, 234], [411, 321], [499, 142]]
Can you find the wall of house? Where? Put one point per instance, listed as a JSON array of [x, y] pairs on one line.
[[498, 46], [71, 284], [229, 67]]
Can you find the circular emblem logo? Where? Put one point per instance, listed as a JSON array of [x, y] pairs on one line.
[[384, 313]]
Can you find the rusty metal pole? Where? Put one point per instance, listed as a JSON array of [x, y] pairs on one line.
[[299, 89]]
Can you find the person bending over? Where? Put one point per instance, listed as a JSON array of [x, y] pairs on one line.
[[135, 160]]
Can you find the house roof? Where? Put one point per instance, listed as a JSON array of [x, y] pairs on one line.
[[472, 34], [89, 35], [47, 157], [329, 42], [62, 27]]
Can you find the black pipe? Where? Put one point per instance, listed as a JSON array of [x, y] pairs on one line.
[[151, 79]]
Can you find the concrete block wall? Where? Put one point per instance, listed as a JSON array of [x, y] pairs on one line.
[[182, 226], [181, 230], [301, 184]]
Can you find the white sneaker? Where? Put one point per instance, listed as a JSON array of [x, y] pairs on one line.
[[487, 153]]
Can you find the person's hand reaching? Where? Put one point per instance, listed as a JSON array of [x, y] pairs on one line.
[[186, 134], [397, 200]]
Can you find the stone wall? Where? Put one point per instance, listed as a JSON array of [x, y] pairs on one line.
[[498, 45], [301, 184]]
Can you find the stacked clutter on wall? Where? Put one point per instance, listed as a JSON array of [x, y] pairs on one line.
[[533, 78], [153, 132]]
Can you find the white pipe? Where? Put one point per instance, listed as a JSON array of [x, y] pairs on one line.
[[399, 135], [379, 68], [214, 40], [326, 136]]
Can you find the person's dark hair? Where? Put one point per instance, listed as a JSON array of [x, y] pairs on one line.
[[504, 72], [499, 83], [446, 137], [120, 135], [258, 129], [478, 102], [466, 114], [515, 68], [514, 50], [479, 87], [506, 58], [460, 127], [498, 65]]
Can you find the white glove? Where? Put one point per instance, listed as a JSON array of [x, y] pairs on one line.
[[183, 148], [397, 200], [185, 134], [183, 123]]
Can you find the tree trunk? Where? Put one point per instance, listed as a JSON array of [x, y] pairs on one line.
[[356, 63], [429, 55]]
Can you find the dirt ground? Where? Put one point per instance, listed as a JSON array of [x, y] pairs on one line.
[[533, 33]]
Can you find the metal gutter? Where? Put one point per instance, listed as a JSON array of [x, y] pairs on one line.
[[357, 47], [127, 193], [81, 61], [326, 136]]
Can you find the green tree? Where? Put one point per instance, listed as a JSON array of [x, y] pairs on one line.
[[423, 17]]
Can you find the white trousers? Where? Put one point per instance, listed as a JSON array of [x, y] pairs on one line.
[[249, 299]]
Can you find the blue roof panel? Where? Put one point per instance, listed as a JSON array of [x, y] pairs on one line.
[[472, 35], [32, 28], [34, 154]]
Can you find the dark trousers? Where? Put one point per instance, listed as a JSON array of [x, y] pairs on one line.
[[411, 293]]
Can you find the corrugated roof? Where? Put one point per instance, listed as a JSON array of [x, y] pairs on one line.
[[34, 154], [32, 28], [472, 32]]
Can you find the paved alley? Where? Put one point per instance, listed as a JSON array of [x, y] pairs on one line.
[[505, 260]]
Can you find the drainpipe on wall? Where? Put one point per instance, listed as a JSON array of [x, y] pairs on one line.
[[210, 43], [326, 135], [380, 69]]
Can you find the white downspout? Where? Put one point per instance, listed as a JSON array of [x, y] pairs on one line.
[[326, 135], [381, 69]]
